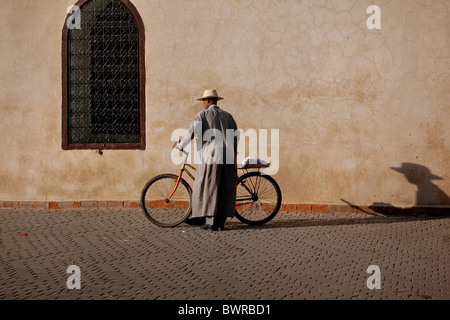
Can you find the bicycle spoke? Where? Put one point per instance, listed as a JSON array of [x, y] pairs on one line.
[[158, 208], [257, 198]]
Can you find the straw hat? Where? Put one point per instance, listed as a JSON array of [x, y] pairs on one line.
[[210, 94]]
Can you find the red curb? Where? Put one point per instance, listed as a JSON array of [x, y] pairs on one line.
[[286, 207]]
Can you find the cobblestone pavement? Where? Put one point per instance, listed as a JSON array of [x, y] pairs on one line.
[[121, 255]]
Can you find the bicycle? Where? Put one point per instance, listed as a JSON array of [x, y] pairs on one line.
[[166, 199]]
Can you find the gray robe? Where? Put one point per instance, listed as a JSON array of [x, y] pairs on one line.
[[214, 190]]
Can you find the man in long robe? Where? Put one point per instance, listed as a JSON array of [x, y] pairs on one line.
[[214, 190]]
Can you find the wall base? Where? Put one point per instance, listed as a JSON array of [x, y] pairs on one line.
[[302, 208]]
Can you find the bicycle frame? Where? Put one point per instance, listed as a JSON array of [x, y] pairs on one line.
[[185, 168]]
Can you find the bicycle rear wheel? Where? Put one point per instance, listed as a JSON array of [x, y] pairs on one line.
[[156, 206], [258, 198]]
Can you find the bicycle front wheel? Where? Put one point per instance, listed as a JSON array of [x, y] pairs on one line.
[[158, 208], [258, 198]]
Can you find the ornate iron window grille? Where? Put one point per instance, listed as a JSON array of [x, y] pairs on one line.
[[103, 78]]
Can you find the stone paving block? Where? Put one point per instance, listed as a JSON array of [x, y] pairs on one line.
[[296, 256]]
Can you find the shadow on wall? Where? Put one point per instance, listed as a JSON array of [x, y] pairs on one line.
[[429, 198]]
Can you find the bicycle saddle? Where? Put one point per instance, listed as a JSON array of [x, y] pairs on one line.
[[253, 162]]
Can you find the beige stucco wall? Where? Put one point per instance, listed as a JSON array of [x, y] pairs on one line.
[[350, 103]]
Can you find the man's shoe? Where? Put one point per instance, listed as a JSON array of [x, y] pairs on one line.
[[212, 228], [207, 227]]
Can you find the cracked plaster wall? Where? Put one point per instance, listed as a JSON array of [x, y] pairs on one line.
[[350, 103]]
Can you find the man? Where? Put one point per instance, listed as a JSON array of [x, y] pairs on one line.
[[214, 191]]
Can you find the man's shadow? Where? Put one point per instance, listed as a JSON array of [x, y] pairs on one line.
[[429, 197]]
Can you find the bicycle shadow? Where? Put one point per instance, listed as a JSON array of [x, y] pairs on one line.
[[331, 220], [431, 203]]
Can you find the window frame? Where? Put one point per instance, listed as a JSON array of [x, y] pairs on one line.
[[65, 89]]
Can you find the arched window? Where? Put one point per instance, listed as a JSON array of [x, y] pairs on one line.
[[103, 76]]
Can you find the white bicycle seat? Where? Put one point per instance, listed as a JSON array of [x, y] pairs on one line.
[[253, 162]]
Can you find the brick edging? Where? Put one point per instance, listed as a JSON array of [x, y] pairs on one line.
[[301, 208], [63, 205]]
